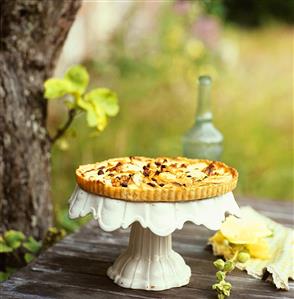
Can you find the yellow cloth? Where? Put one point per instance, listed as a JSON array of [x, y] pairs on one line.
[[281, 248]]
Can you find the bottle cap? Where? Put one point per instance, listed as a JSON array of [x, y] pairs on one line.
[[204, 80]]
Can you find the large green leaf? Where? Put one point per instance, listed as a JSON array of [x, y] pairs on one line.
[[79, 77], [13, 238], [56, 88], [104, 100], [32, 245]]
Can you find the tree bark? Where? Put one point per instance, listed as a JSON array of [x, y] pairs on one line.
[[32, 36]]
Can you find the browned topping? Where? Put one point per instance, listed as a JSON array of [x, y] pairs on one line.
[[161, 185], [157, 172], [209, 169], [189, 176], [157, 163], [154, 179], [101, 167], [117, 167], [115, 182], [183, 165], [151, 184], [124, 184], [100, 172], [146, 171]]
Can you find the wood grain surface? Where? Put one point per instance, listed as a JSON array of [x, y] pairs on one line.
[[76, 266]]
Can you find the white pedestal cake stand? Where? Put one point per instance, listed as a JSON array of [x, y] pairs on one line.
[[149, 262]]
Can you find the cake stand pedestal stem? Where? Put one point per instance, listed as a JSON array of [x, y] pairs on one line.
[[149, 262]]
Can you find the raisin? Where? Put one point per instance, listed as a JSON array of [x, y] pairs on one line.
[[161, 185], [100, 172], [151, 184], [209, 169], [124, 184], [157, 163]]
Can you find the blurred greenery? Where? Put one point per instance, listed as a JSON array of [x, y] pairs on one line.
[[155, 79]]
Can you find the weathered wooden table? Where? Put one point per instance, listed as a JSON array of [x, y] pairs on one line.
[[76, 266]]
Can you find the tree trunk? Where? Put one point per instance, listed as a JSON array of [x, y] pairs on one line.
[[32, 35]]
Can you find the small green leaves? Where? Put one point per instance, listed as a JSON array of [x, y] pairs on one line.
[[223, 287], [99, 103], [32, 245], [220, 275], [21, 250], [243, 257], [74, 82], [78, 77], [229, 266], [219, 264], [13, 238]]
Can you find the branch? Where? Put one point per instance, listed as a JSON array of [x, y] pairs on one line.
[[61, 131]]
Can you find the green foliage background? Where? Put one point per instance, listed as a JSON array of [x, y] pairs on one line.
[[155, 82]]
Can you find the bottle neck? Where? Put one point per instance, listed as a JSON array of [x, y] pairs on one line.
[[203, 113]]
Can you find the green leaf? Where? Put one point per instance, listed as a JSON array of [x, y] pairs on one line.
[[79, 77], [243, 257], [104, 100], [91, 118], [84, 105], [56, 88], [220, 275], [28, 257], [229, 266], [4, 248], [13, 238], [219, 264], [3, 276], [32, 245]]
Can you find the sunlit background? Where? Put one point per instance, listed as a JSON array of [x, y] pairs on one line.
[[150, 53]]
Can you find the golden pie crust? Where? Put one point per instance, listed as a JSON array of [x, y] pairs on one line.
[[157, 179]]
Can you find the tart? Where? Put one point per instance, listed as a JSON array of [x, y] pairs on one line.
[[157, 179]]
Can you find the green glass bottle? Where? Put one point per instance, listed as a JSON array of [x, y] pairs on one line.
[[203, 140]]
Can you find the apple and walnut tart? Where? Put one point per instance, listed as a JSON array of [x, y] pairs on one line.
[[157, 179]]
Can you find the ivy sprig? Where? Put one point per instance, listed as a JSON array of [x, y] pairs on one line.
[[17, 250], [98, 104], [222, 287]]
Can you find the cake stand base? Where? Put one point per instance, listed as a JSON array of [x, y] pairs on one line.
[[149, 263]]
